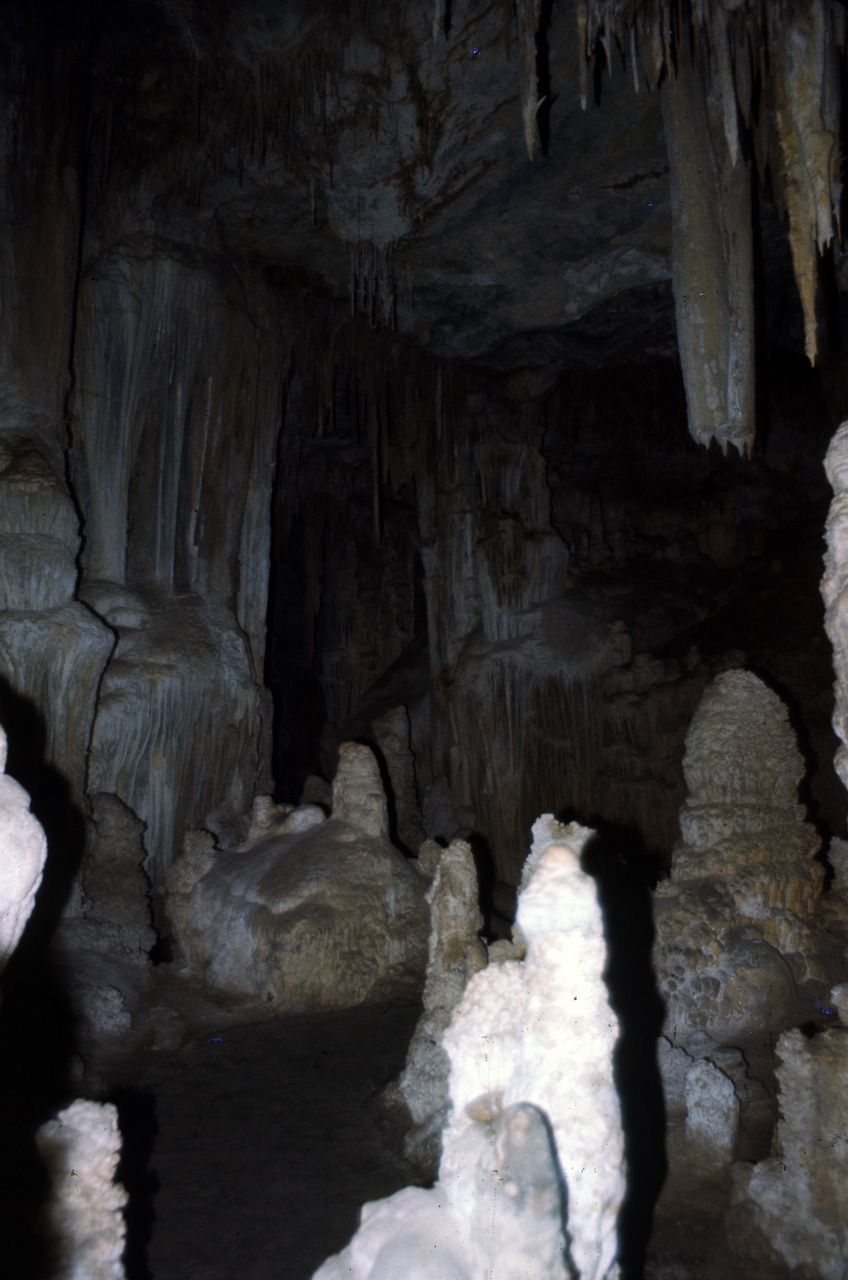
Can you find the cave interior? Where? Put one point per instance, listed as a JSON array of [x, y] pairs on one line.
[[454, 379]]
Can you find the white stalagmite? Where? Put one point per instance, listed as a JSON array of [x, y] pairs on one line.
[[834, 587], [532, 1172], [81, 1148], [798, 1194], [23, 852]]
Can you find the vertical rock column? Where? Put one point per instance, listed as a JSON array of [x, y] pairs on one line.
[[532, 1172], [834, 587], [712, 260], [455, 952], [542, 1032], [81, 1148], [799, 1193], [735, 928]]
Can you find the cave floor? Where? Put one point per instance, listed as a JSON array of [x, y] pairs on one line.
[[252, 1146]]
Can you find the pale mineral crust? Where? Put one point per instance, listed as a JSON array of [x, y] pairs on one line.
[[534, 1122], [799, 1193], [81, 1148], [734, 924], [23, 852], [834, 587], [322, 913]]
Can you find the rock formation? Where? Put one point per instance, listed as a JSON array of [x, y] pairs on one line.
[[712, 1112], [532, 1171], [834, 584], [798, 1194], [85, 1214], [326, 914], [734, 924], [23, 852], [455, 953]]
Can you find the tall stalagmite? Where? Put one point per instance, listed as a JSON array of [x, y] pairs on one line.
[[533, 1107]]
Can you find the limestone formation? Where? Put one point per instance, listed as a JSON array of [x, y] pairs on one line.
[[712, 257], [358, 795], [23, 852], [455, 952], [326, 915], [734, 924], [798, 1194], [532, 1170], [834, 587], [712, 1112], [177, 718], [85, 1213], [52, 650], [269, 819]]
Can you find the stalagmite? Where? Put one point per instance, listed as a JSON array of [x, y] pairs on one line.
[[712, 1112], [322, 913], [23, 852], [455, 953], [834, 587], [532, 1172], [734, 924], [798, 1194], [81, 1148]]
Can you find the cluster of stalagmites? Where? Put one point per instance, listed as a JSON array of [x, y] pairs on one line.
[[533, 1119], [309, 910], [738, 954]]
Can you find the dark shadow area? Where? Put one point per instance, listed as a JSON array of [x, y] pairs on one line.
[[623, 879], [300, 711], [484, 864], [543, 77], [137, 1123], [391, 803], [36, 1022]]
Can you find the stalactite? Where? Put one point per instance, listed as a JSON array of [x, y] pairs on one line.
[[529, 12], [805, 79], [712, 260], [776, 69]]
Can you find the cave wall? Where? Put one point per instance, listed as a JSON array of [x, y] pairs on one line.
[[233, 359]]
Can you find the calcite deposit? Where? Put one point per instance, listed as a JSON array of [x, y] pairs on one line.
[[23, 852], [735, 922], [798, 1194], [834, 587], [455, 953], [84, 1217], [326, 914], [532, 1171], [712, 1112]]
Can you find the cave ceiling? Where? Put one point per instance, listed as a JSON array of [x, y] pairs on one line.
[[382, 149]]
